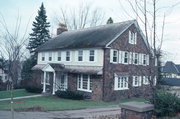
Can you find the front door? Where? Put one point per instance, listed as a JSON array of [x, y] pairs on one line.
[[61, 81]]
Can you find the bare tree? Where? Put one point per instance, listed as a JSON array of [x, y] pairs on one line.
[[83, 16], [12, 48]]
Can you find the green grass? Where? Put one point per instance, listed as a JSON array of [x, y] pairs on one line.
[[16, 93], [54, 103]]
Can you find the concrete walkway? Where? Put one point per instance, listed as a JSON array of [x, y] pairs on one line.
[[23, 97], [109, 112]]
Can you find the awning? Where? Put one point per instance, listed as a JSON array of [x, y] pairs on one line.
[[70, 68]]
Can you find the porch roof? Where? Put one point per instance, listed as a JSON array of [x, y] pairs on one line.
[[71, 68]]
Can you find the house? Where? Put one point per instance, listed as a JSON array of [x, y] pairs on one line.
[[3, 75], [171, 70], [105, 63]]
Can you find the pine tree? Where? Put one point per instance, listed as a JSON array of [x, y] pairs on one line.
[[110, 21], [40, 30]]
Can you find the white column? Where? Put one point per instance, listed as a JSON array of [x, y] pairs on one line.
[[54, 81], [44, 82]]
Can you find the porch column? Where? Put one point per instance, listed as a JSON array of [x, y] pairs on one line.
[[54, 81], [44, 82]]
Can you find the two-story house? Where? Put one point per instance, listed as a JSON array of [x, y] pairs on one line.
[[105, 63]]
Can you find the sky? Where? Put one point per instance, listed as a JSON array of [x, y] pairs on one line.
[[119, 10]]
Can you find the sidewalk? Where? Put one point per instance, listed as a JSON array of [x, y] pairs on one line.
[[23, 97]]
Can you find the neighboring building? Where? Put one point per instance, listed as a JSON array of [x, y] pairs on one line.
[[3, 75], [171, 70], [109, 62]]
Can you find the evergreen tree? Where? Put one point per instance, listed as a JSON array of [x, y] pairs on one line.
[[40, 30], [110, 21]]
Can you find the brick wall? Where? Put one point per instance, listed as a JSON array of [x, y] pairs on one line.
[[109, 69]]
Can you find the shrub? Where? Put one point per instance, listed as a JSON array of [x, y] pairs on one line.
[[166, 104], [69, 95], [33, 89]]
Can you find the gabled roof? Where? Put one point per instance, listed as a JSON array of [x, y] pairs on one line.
[[98, 36], [170, 67]]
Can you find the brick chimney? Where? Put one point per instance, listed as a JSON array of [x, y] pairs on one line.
[[62, 28]]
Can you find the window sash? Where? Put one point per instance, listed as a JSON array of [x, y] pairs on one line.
[[91, 55], [59, 56], [80, 55], [84, 82], [67, 55], [121, 82]]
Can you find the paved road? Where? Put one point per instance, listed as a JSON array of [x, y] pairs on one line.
[[89, 113], [31, 96]]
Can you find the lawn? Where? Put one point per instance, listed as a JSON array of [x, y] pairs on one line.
[[16, 93], [54, 103]]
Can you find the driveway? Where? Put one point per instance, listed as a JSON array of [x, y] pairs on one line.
[[89, 113]]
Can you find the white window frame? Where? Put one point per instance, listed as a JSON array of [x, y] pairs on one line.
[[68, 55], [59, 57], [121, 82], [43, 58], [115, 55], [132, 37], [91, 55], [136, 81], [80, 83], [50, 56], [80, 55]]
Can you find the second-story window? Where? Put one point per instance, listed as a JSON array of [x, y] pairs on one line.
[[132, 37], [135, 58], [115, 55], [144, 59], [67, 55], [59, 56], [80, 55], [43, 57], [125, 57], [91, 55], [50, 56]]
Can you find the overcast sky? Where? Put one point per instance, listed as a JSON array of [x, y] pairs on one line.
[[119, 10]]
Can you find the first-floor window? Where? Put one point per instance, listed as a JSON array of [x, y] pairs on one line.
[[125, 57], [136, 81], [84, 82], [135, 58], [121, 82], [145, 80]]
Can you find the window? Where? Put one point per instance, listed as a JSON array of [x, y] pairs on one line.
[[80, 55], [59, 56], [144, 59], [43, 57], [132, 37], [115, 56], [136, 81], [91, 55], [125, 57], [67, 55], [145, 80], [121, 82], [84, 82], [50, 56], [135, 58]]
